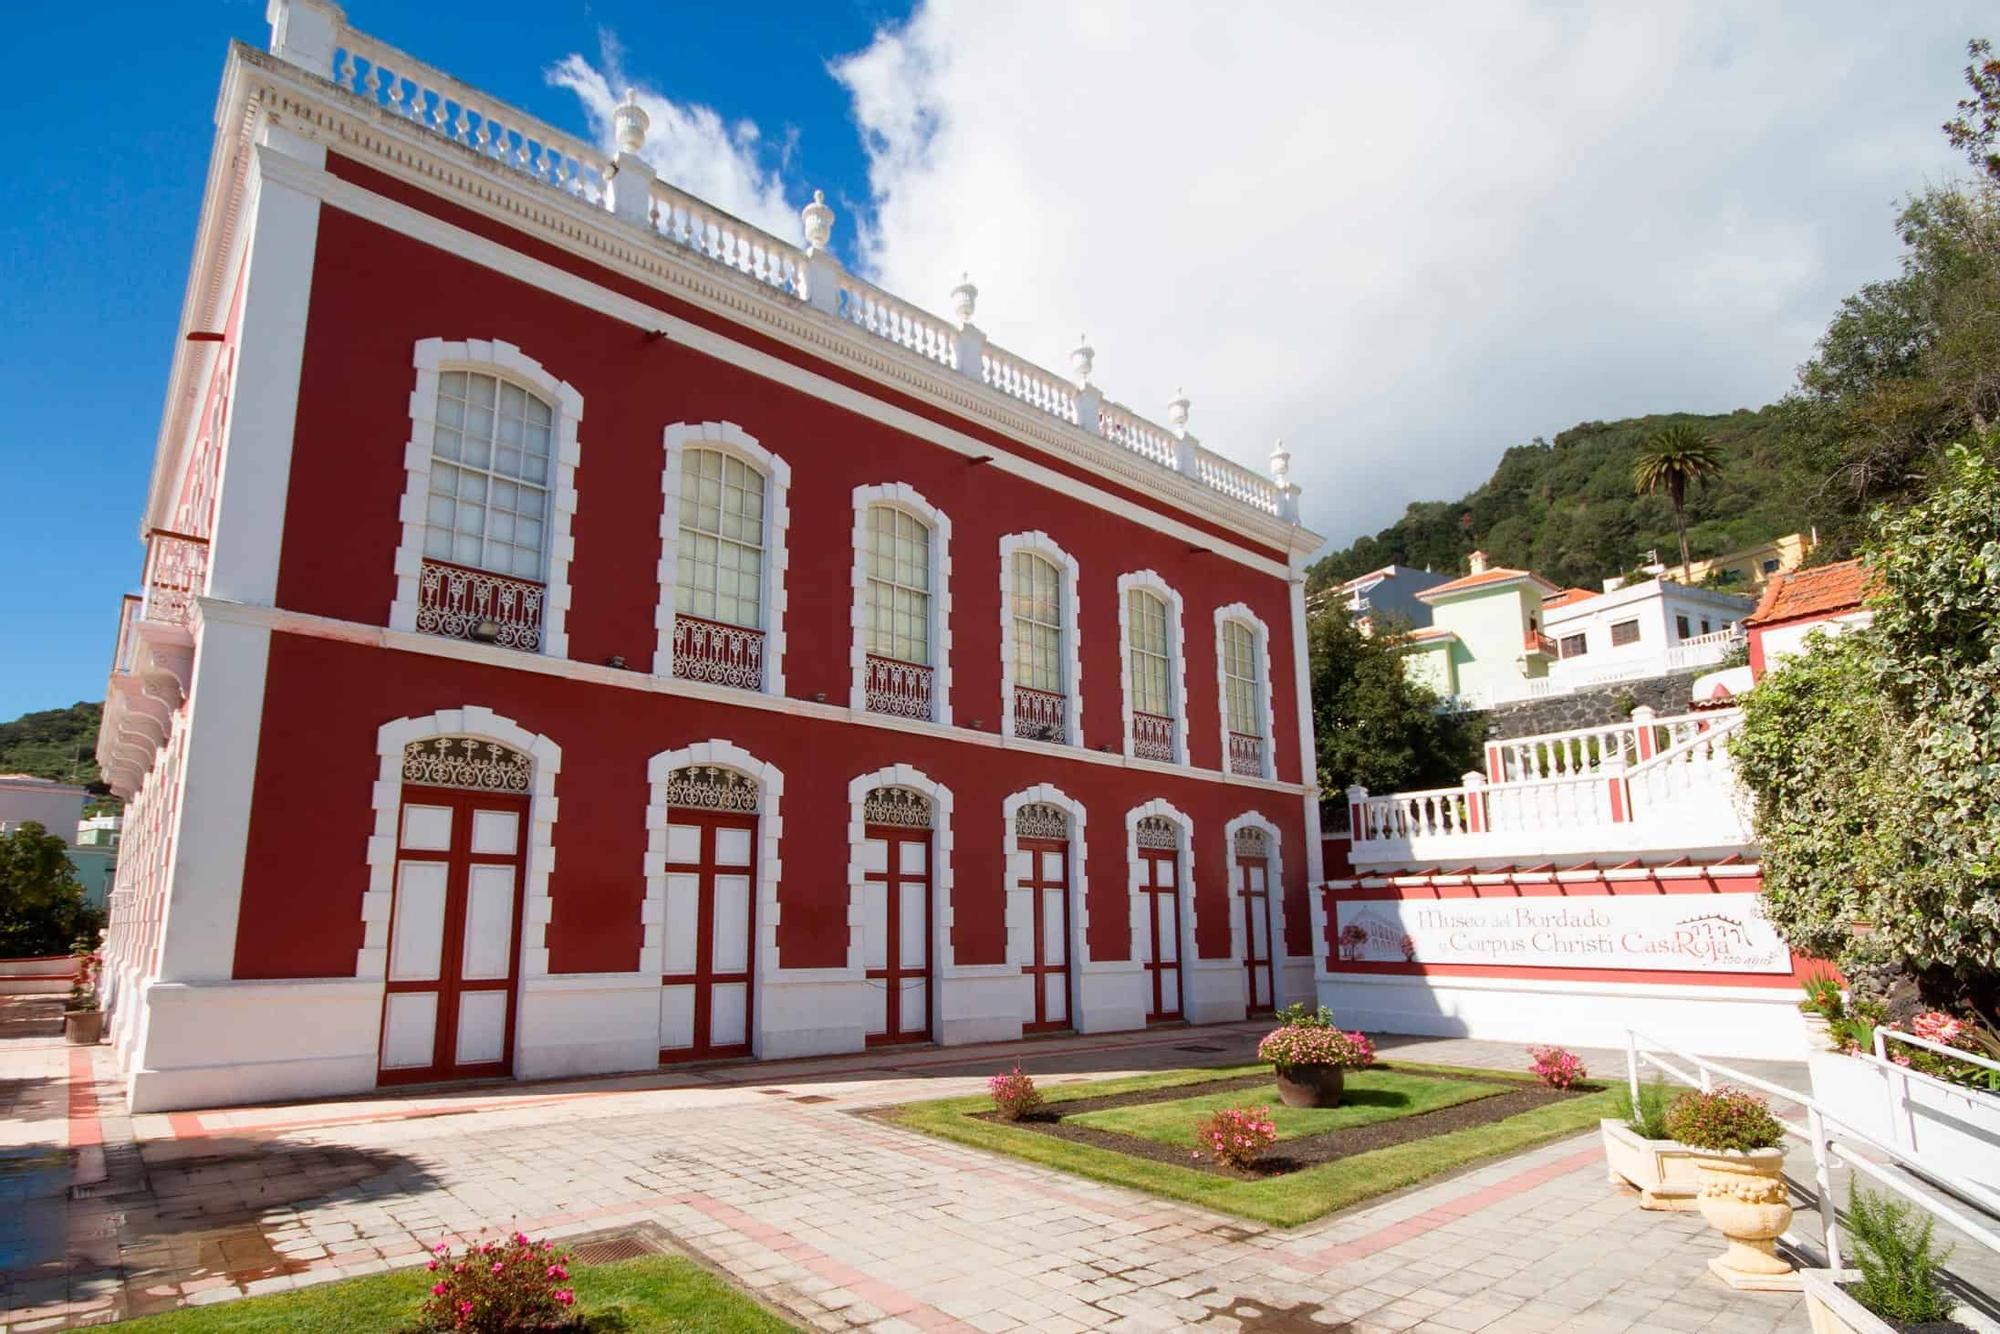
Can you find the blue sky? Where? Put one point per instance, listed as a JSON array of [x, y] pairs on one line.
[[98, 207], [1402, 239]]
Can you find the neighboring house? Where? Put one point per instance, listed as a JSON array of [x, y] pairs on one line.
[[1828, 598], [1753, 567], [1640, 630], [1389, 596], [96, 856], [1485, 640], [582, 631], [58, 808]]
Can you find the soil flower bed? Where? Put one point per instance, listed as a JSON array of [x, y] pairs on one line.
[[1400, 1124]]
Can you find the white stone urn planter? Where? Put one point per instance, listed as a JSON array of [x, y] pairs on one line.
[[1831, 1311], [1743, 1197], [1663, 1170]]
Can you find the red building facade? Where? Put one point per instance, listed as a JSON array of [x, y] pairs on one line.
[[582, 631]]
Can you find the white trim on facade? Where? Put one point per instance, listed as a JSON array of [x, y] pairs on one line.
[[372, 960], [770, 867], [429, 359], [905, 497], [728, 438], [1151, 581], [1241, 613], [1041, 544]]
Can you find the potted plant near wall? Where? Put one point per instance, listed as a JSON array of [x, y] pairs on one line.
[[1895, 1283], [1740, 1159], [1311, 1056], [83, 1016], [1822, 1006], [1638, 1149]]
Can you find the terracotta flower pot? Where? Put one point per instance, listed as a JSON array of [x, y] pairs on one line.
[[1743, 1198], [1311, 1085], [83, 1028]]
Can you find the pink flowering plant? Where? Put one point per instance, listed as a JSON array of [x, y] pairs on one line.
[[495, 1286], [1308, 1038], [1557, 1068], [1236, 1137], [1014, 1094], [1948, 1030]]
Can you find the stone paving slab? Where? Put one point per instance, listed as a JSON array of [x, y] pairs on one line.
[[841, 1221]]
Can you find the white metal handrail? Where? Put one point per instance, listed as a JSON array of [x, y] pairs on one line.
[[1883, 1033], [1820, 1136]]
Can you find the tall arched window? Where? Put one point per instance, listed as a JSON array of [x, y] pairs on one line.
[[721, 615], [490, 489], [898, 593], [1243, 671], [1151, 671], [1038, 648]]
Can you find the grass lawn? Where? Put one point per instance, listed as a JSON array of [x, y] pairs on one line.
[[1370, 1096], [651, 1293], [1280, 1201]]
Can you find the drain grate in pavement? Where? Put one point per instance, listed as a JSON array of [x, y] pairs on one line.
[[1197, 1046], [603, 1248]]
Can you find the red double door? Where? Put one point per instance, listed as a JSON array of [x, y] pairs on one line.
[[1160, 890], [896, 952], [706, 997], [1253, 891], [454, 936], [1046, 880]]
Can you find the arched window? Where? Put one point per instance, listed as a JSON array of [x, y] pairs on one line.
[[902, 604], [1038, 627], [899, 585], [721, 566], [1041, 694], [1242, 678], [491, 456], [1150, 656], [488, 499]]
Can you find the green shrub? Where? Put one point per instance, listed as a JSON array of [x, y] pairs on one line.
[[1723, 1120], [1647, 1118], [1892, 1248]]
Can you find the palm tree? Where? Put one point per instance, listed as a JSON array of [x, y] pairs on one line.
[[1672, 457]]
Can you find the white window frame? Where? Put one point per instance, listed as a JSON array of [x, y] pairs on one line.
[[430, 358], [1151, 581], [903, 496], [1041, 544], [1239, 613], [730, 439]]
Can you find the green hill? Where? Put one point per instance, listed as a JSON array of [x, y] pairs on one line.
[[53, 743], [1566, 508]]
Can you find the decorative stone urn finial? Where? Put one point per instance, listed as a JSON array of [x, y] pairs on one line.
[[818, 220], [964, 298], [1281, 461], [1081, 358], [631, 122], [1177, 412]]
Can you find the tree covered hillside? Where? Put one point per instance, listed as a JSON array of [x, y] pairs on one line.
[[1567, 508], [53, 743]]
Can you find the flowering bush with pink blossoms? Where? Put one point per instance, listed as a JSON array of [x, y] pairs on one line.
[[1557, 1068], [1302, 1044], [1014, 1094], [497, 1286], [1947, 1030], [1237, 1136]]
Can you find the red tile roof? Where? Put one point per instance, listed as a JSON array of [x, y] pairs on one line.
[[1566, 597], [1484, 577], [1826, 590]]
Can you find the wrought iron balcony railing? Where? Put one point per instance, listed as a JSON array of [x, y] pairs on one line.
[[722, 655], [459, 602], [1041, 715], [1152, 736], [1246, 755], [176, 574], [900, 689]]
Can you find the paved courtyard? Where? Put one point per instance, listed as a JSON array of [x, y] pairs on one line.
[[841, 1222]]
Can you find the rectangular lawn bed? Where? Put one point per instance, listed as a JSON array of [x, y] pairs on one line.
[[1405, 1123], [653, 1292]]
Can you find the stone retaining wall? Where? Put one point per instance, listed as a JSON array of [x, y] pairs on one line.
[[1596, 707]]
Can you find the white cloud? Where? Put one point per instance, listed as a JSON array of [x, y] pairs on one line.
[[687, 144], [1402, 237]]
